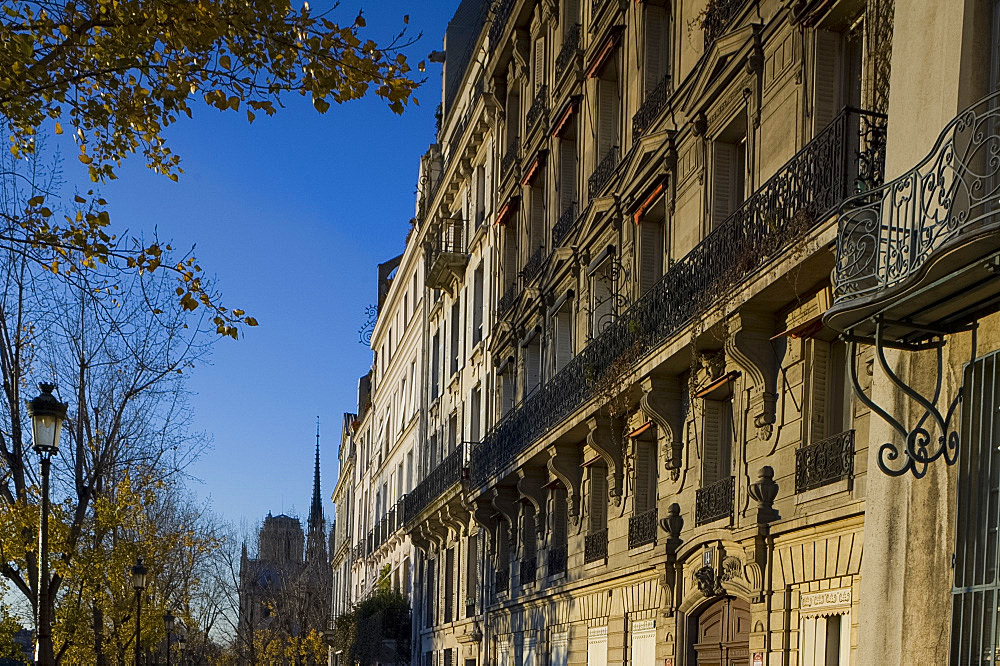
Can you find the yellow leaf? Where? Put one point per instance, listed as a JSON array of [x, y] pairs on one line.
[[58, 128]]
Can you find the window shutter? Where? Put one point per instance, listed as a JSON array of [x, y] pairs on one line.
[[537, 238], [723, 181], [567, 175], [564, 337], [532, 363], [597, 646], [656, 47], [607, 117], [571, 14], [602, 307], [539, 64], [643, 463], [643, 641], [510, 254], [819, 383], [598, 497], [559, 516], [826, 80], [650, 254], [711, 464]]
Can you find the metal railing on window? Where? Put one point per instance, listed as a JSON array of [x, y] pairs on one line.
[[447, 237], [441, 478], [501, 579], [557, 560], [529, 567], [651, 107], [717, 18], [509, 298], [501, 14], [595, 546], [539, 106], [510, 157], [534, 264], [564, 224], [811, 184], [570, 47], [824, 462], [642, 528], [602, 173], [715, 501]]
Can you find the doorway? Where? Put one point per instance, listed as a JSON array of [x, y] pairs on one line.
[[721, 634]]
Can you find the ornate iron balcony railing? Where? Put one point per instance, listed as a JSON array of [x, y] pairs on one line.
[[539, 106], [651, 107], [501, 579], [564, 224], [557, 560], [510, 157], [509, 298], [441, 478], [570, 47], [782, 210], [534, 264], [595, 546], [501, 14], [887, 234], [602, 174], [529, 567], [826, 461], [642, 529], [719, 14], [715, 501], [447, 237]]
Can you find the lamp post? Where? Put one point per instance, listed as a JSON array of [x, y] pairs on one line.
[[168, 623], [139, 584], [47, 415], [181, 643]]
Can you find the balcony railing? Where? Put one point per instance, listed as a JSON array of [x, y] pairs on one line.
[[539, 107], [642, 529], [501, 579], [595, 546], [570, 47], [509, 298], [824, 462], [654, 103], [529, 567], [441, 478], [888, 234], [602, 174], [715, 501], [564, 224], [386, 527], [501, 13], [557, 560], [446, 238], [718, 16], [534, 264], [808, 186], [510, 157]]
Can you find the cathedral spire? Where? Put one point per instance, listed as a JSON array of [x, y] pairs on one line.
[[316, 510]]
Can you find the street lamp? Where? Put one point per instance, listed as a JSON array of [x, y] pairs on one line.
[[181, 642], [47, 415], [139, 584], [168, 622]]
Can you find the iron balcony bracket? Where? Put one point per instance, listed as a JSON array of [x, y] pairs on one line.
[[920, 447]]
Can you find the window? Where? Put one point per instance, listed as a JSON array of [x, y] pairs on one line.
[[507, 384], [449, 585], [431, 595], [480, 196], [567, 173], [829, 391], [475, 411], [535, 235], [597, 646], [570, 15], [717, 435], [559, 648], [642, 642], [452, 432], [729, 164], [602, 302], [607, 115], [436, 366], [406, 309], [513, 115], [477, 305], [456, 327], [650, 253], [433, 453], [598, 496], [531, 356], [538, 66], [510, 267], [529, 543], [471, 574], [644, 498], [562, 334], [838, 73], [825, 640], [657, 47]]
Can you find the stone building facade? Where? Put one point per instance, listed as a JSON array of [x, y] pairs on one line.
[[707, 300]]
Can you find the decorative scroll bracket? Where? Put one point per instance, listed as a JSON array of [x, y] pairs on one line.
[[564, 464], [529, 486], [919, 449], [748, 344], [661, 403], [505, 502], [602, 439]]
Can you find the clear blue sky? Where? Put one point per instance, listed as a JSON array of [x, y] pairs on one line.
[[292, 214]]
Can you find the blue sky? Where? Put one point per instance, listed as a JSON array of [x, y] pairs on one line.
[[292, 214]]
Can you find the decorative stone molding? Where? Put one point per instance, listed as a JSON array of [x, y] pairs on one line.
[[661, 403], [564, 464], [530, 487], [827, 602], [603, 439], [748, 344]]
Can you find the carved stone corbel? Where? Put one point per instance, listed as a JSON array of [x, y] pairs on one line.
[[604, 439], [505, 502], [529, 485], [661, 403], [748, 344], [564, 464], [522, 50]]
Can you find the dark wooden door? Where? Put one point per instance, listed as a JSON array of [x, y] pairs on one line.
[[722, 636]]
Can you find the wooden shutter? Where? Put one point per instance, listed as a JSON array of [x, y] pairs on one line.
[[571, 14], [532, 364], [826, 79], [819, 382], [598, 497], [607, 117], [567, 175], [711, 463], [559, 526], [537, 238], [539, 64], [564, 337], [656, 46], [723, 181], [643, 470], [650, 254], [509, 255]]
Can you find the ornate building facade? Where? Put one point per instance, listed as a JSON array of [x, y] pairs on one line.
[[684, 297]]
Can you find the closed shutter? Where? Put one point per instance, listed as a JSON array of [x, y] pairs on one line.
[[539, 64], [510, 254], [488, 184], [650, 254], [537, 239], [643, 640], [567, 175], [656, 47], [819, 383], [597, 646], [532, 364], [564, 337], [826, 80], [571, 14], [598, 497], [644, 471], [607, 117], [559, 516], [711, 464], [723, 181]]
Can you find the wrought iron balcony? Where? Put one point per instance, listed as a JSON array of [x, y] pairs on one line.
[[509, 298], [501, 14], [815, 181], [501, 579], [557, 560], [824, 462], [564, 224], [715, 501], [437, 483], [534, 264], [719, 14], [529, 567], [651, 107], [510, 157], [569, 50], [602, 174], [539, 107], [446, 256], [595, 546], [642, 529], [915, 249]]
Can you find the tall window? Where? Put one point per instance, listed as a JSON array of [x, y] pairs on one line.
[[598, 503], [644, 498], [608, 109], [729, 166], [456, 328], [603, 288], [536, 218], [475, 414], [657, 46], [477, 305], [562, 334], [531, 355], [829, 391], [567, 172], [570, 15], [479, 180], [717, 435], [436, 366], [538, 65], [839, 73], [650, 252]]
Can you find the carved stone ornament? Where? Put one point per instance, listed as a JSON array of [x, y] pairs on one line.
[[707, 582], [732, 569]]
